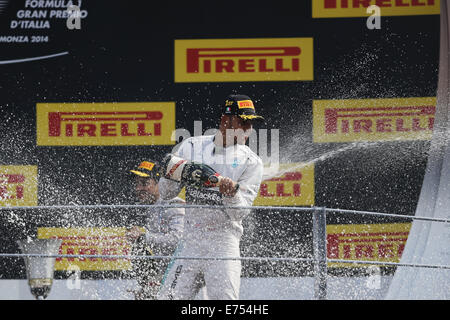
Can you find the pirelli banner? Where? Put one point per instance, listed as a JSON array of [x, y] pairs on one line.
[[358, 8], [105, 124], [366, 242], [89, 241], [293, 186], [373, 119], [225, 60], [18, 186]]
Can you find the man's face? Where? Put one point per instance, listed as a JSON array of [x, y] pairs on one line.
[[235, 128], [147, 190], [239, 123]]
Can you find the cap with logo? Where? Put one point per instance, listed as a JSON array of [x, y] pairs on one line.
[[242, 106], [147, 169]]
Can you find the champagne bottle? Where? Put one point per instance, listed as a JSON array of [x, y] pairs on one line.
[[190, 173]]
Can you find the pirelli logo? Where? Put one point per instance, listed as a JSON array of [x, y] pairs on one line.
[[226, 60], [246, 104], [90, 241], [295, 187], [358, 8], [373, 119], [147, 123], [368, 242], [18, 186]]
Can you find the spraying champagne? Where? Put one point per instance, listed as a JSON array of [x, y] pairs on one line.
[[191, 173]]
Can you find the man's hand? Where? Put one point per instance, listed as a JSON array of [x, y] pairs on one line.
[[133, 233], [227, 187]]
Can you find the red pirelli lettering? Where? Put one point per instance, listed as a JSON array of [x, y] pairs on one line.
[[253, 59], [264, 191], [86, 121], [6, 192], [386, 119], [356, 4], [279, 190], [12, 178], [366, 245], [288, 176]]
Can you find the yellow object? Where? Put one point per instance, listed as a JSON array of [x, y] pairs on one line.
[[18, 186], [105, 124], [351, 8], [90, 241], [293, 185], [237, 60], [373, 119], [366, 242]]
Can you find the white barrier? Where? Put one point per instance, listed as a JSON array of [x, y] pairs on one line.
[[426, 241]]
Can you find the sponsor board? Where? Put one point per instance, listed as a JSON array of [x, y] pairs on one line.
[[226, 60], [89, 241], [294, 187], [358, 8], [105, 124], [373, 119], [366, 242], [18, 186]]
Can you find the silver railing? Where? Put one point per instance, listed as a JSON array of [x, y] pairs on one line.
[[319, 218]]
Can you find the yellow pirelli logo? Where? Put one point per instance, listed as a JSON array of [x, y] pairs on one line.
[[293, 186], [246, 104], [226, 60], [366, 242], [18, 186], [373, 119], [105, 124], [358, 8], [146, 165], [90, 241]]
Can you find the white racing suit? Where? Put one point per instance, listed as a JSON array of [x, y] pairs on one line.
[[212, 232], [164, 226], [163, 231]]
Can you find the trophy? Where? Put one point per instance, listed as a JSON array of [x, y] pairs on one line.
[[40, 269]]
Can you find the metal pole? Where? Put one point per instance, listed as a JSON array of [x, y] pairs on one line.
[[320, 253]]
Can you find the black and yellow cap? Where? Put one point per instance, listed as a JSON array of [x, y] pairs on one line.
[[242, 106], [147, 169]]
